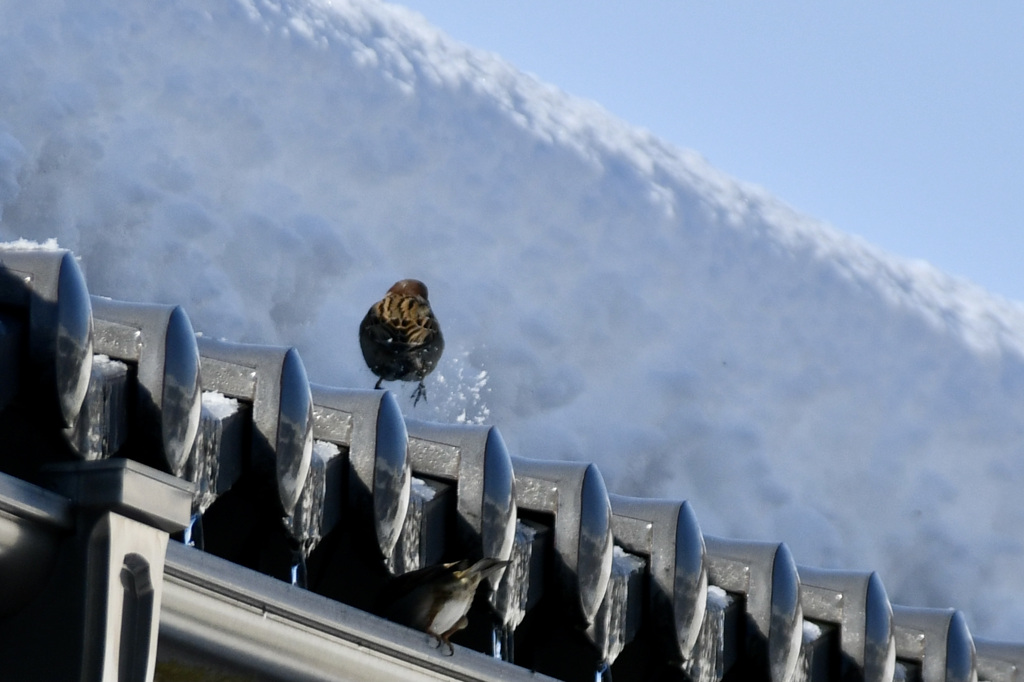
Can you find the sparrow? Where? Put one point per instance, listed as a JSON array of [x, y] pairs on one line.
[[400, 337], [437, 598]]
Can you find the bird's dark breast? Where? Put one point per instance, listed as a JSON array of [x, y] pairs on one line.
[[398, 362]]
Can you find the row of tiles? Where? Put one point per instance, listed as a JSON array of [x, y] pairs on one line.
[[286, 431]]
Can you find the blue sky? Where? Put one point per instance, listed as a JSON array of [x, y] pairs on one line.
[[899, 122]]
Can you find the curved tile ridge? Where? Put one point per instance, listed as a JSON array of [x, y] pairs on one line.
[[858, 604], [936, 640], [274, 381], [49, 287], [159, 341]]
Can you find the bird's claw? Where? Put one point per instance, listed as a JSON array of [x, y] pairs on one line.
[[419, 393], [441, 644]]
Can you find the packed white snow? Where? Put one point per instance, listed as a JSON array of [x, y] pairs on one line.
[[219, 405], [275, 165]]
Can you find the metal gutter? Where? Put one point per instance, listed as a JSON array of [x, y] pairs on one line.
[[251, 623]]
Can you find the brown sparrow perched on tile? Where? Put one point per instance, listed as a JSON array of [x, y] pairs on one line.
[[437, 598], [400, 337]]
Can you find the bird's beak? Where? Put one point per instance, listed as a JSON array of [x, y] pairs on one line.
[[486, 567]]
